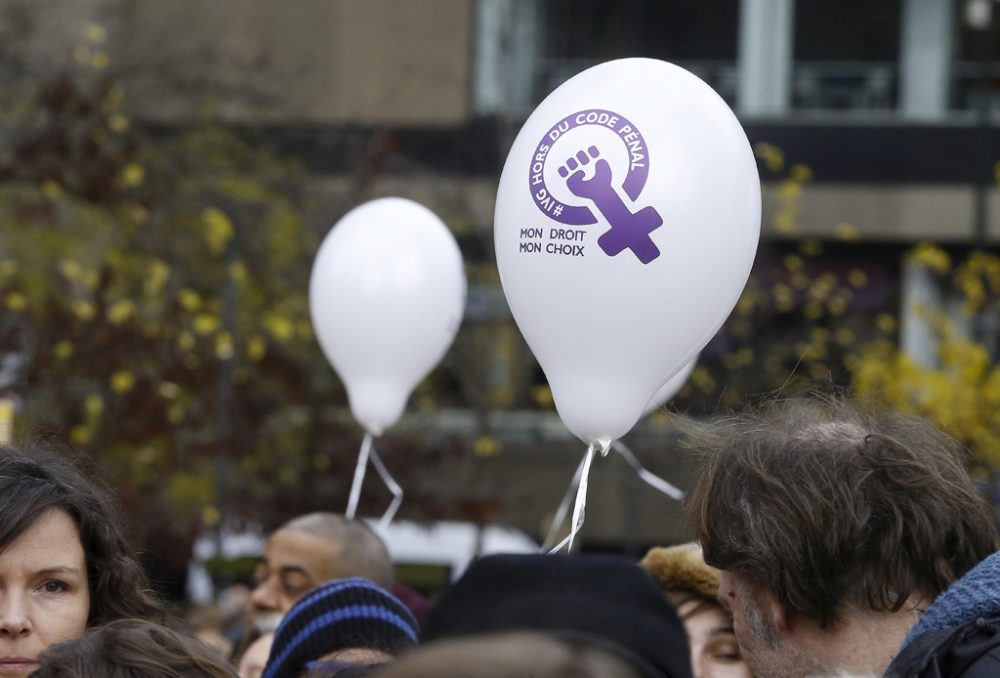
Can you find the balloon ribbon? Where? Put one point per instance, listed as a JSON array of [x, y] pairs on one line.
[[644, 474], [580, 506], [367, 452]]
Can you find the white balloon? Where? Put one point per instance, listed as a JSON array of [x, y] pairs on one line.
[[670, 389], [626, 224], [386, 295]]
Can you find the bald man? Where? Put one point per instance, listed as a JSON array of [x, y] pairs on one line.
[[307, 551]]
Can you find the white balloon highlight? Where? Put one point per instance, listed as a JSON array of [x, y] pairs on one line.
[[626, 224], [386, 295]]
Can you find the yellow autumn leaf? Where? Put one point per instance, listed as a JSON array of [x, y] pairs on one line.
[[95, 32], [133, 175], [218, 229], [280, 327], [703, 379], [837, 305], [224, 346], [120, 311], [811, 247], [51, 189], [93, 405], [70, 269], [813, 310], [256, 348], [772, 156], [189, 300], [82, 309], [542, 395], [118, 123], [847, 232], [168, 390], [238, 272], [801, 173], [210, 515], [122, 381], [486, 446], [15, 301], [206, 323], [63, 349], [792, 262], [175, 413], [186, 340], [931, 256], [156, 278], [80, 435], [100, 60], [844, 336]]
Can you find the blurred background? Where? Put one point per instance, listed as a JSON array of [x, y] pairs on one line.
[[168, 169]]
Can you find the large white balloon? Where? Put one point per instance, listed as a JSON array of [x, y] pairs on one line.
[[670, 389], [626, 224], [386, 294]]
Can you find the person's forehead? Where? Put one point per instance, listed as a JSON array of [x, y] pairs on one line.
[[291, 548], [52, 537], [709, 619]]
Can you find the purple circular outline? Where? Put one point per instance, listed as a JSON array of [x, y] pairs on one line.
[[579, 215]]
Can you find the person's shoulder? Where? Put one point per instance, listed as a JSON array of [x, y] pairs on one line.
[[971, 650]]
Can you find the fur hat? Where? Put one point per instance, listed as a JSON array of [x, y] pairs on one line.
[[341, 613], [682, 567], [604, 601]]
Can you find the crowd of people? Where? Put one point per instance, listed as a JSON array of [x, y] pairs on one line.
[[830, 542]]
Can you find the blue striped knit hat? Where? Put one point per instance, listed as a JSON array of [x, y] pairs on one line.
[[340, 614]]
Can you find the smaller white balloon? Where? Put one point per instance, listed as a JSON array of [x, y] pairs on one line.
[[386, 295], [670, 389]]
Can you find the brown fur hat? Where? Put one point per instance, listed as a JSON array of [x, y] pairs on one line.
[[682, 567]]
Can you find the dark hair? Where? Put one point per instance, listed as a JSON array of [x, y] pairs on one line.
[[827, 505], [36, 478], [132, 648]]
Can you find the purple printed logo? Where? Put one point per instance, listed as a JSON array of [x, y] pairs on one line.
[[590, 182]]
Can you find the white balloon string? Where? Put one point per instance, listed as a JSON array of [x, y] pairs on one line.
[[359, 477], [390, 482], [580, 507], [563, 509], [646, 475]]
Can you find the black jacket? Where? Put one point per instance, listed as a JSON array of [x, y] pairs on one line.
[[971, 650], [959, 634]]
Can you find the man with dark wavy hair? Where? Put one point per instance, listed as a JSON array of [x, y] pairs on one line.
[[834, 530]]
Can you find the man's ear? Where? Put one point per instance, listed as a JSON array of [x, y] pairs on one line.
[[780, 617]]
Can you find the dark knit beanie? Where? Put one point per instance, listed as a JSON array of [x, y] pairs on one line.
[[339, 614], [606, 601]]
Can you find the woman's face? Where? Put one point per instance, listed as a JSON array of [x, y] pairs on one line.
[[714, 652], [44, 593]]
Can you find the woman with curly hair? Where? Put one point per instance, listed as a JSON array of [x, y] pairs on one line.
[[65, 564]]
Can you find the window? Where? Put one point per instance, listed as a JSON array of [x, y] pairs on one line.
[[846, 54], [699, 35]]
